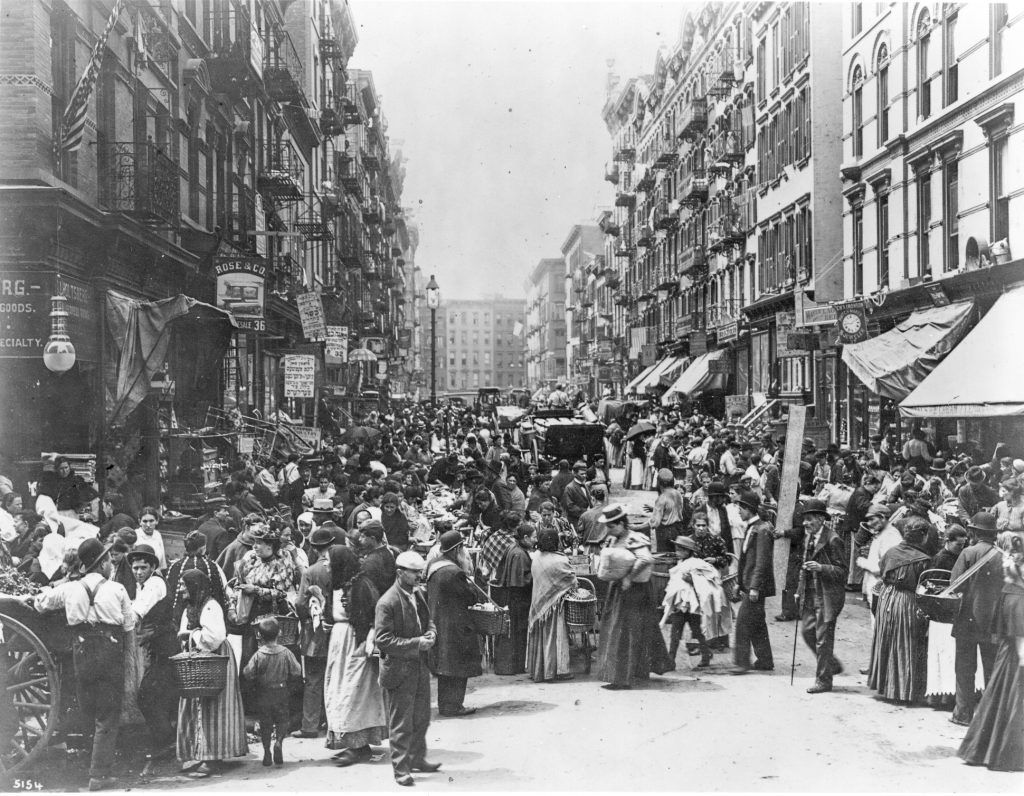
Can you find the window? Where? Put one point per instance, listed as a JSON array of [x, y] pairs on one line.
[[762, 66], [1000, 17], [63, 24], [950, 70], [883, 95], [999, 198], [451, 360], [882, 224], [924, 88], [857, 22], [858, 250], [858, 110], [950, 211], [776, 57], [924, 219]]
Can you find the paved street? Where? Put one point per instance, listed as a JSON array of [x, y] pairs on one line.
[[684, 731]]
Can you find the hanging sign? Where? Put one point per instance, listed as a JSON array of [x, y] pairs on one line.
[[375, 344], [698, 343], [299, 376], [241, 290], [336, 352], [785, 326], [311, 314], [405, 339]]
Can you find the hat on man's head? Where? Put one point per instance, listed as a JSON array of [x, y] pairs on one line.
[[975, 474], [374, 529], [215, 503], [322, 536], [939, 466], [579, 465], [323, 505], [815, 507], [450, 540], [749, 499], [983, 521], [91, 552], [686, 542], [878, 510], [876, 437], [411, 560], [614, 512], [717, 489], [144, 552]]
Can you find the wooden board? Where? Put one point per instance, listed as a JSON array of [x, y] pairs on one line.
[[790, 487]]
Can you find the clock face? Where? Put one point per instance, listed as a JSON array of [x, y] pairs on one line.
[[852, 323]]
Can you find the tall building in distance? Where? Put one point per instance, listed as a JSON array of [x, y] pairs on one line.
[[481, 343], [545, 324], [583, 255]]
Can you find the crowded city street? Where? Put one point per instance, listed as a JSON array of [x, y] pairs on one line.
[[492, 396]]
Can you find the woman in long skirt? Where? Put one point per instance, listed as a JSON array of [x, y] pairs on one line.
[[996, 736], [512, 587], [213, 729], [630, 644], [899, 650], [547, 644], [352, 696]]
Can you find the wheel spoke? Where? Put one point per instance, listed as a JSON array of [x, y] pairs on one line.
[[17, 747], [28, 728], [33, 707], [29, 683]]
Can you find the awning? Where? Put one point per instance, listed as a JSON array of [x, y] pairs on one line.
[[894, 363], [631, 387], [980, 377], [671, 373], [697, 378], [652, 378]]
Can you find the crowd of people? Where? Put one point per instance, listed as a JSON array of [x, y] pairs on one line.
[[336, 587]]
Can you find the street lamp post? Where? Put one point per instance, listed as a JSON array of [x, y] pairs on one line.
[[433, 301]]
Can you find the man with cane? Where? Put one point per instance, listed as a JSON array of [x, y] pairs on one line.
[[822, 593]]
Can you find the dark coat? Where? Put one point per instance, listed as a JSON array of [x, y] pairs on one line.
[[398, 634], [217, 537], [379, 566], [857, 509], [559, 481], [830, 583], [757, 564], [980, 593], [314, 644], [575, 500], [449, 595]]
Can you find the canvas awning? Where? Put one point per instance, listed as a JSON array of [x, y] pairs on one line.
[[697, 378], [632, 386], [671, 373], [894, 363], [652, 378], [980, 377]]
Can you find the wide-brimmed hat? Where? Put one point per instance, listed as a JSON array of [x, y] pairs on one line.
[[749, 498], [815, 507], [688, 542], [450, 540], [983, 521], [91, 552], [146, 553], [323, 505], [614, 512], [322, 536]]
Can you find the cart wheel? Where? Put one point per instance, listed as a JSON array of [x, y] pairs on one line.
[[29, 696]]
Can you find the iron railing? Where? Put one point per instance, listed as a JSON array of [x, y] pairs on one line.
[[142, 182]]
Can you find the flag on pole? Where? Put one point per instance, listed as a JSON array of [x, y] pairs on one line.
[[517, 330], [73, 121]]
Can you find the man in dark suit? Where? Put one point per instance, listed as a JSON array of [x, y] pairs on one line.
[[856, 513], [576, 495], [822, 592], [756, 582], [456, 656], [404, 634], [316, 582], [978, 606], [560, 480], [880, 458]]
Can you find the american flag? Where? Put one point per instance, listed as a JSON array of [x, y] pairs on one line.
[[73, 121]]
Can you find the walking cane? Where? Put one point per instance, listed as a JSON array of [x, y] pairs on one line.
[[796, 632]]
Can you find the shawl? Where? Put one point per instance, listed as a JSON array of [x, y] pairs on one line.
[[902, 564], [493, 550], [553, 578], [514, 569], [695, 587]]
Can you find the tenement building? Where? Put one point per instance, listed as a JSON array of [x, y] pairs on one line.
[[545, 324]]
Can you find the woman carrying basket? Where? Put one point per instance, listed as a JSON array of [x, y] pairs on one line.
[[210, 729]]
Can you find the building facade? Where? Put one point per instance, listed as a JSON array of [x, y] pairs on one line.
[[545, 324], [228, 156], [480, 344], [583, 258]]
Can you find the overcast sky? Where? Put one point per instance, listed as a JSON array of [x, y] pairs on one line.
[[497, 108]]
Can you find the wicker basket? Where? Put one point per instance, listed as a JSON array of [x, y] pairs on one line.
[[581, 612], [199, 675], [731, 587], [289, 628], [490, 622], [932, 602]]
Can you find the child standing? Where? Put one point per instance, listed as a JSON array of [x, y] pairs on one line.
[[271, 669]]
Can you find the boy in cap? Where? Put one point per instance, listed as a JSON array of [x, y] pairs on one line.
[[272, 669]]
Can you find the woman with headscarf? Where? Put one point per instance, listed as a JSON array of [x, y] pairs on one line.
[[396, 524], [195, 558], [211, 729], [899, 650], [540, 493], [547, 644], [549, 520], [484, 511], [996, 736], [353, 699], [506, 564]]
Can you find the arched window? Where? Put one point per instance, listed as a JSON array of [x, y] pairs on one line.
[[882, 70], [857, 98]]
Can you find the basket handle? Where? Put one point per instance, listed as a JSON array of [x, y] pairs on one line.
[[589, 583]]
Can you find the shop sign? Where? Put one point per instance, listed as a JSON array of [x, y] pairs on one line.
[[721, 366], [241, 291], [737, 405], [802, 341], [785, 325], [25, 314], [246, 443], [311, 314], [405, 339], [648, 354], [698, 343], [851, 322], [728, 331], [336, 350], [604, 372], [376, 345], [311, 436], [299, 376], [604, 349], [684, 326]]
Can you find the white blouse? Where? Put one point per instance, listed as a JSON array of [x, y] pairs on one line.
[[211, 632]]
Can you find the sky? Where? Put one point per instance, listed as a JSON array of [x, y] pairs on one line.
[[496, 107]]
